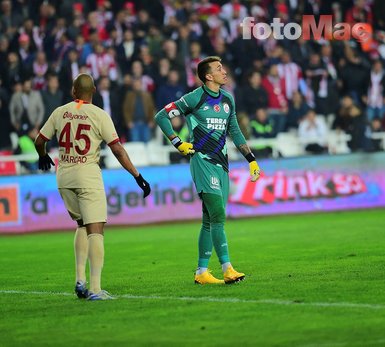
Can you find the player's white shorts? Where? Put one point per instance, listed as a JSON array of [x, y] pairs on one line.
[[87, 204]]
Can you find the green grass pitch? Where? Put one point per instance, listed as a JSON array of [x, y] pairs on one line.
[[312, 280]]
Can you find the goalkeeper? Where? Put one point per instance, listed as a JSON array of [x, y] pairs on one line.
[[210, 116]]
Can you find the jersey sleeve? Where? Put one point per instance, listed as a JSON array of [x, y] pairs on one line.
[[48, 130], [233, 130], [183, 106], [108, 131], [187, 102]]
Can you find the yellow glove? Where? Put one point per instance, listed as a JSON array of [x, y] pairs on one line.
[[184, 148], [254, 171]]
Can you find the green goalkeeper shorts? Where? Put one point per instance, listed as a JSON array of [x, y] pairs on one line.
[[209, 178]]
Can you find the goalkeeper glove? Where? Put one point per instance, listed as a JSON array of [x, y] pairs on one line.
[[184, 148], [143, 184], [255, 172], [45, 162]]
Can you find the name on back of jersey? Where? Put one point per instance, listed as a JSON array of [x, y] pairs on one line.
[[73, 159], [216, 123]]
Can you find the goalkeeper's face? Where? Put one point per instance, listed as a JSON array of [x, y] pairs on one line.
[[218, 73]]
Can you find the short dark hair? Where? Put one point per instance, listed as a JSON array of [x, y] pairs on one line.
[[204, 67]]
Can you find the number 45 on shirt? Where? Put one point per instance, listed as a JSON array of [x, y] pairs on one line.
[[65, 138]]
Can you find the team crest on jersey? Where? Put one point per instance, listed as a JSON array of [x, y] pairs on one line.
[[226, 108], [217, 108]]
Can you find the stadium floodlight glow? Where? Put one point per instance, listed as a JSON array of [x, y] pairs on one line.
[[325, 29]]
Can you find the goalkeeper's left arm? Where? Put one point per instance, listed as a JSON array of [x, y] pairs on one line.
[[162, 118], [240, 142]]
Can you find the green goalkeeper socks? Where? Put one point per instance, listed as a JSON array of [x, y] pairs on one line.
[[213, 221], [205, 243], [220, 243]]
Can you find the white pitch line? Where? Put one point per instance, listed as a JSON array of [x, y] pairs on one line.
[[219, 300], [346, 344]]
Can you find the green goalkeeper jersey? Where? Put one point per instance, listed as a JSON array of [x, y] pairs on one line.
[[210, 118]]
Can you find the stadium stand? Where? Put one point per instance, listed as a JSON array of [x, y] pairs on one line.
[[156, 45]]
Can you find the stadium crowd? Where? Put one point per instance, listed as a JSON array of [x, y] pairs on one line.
[[143, 55]]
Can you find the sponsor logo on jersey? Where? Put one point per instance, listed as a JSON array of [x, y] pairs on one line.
[[71, 116], [9, 205], [172, 110], [205, 108], [226, 107], [217, 108], [214, 182], [216, 123]]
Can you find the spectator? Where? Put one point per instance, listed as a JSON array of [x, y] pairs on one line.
[[375, 126], [13, 72], [5, 121], [297, 110], [62, 47], [374, 99], [359, 13], [276, 94], [147, 82], [103, 13], [161, 73], [253, 95], [121, 95], [138, 112], [170, 51], [147, 61], [4, 48], [313, 133], [68, 72], [83, 48], [354, 72], [170, 91], [94, 25], [192, 60], [154, 41], [39, 69], [300, 51], [25, 51], [317, 81], [26, 108], [107, 99], [9, 20], [351, 120], [142, 25], [126, 51], [262, 127], [102, 63], [52, 96], [291, 73], [34, 34], [26, 146]]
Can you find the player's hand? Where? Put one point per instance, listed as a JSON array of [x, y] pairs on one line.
[[45, 162], [144, 185], [255, 172], [184, 148]]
